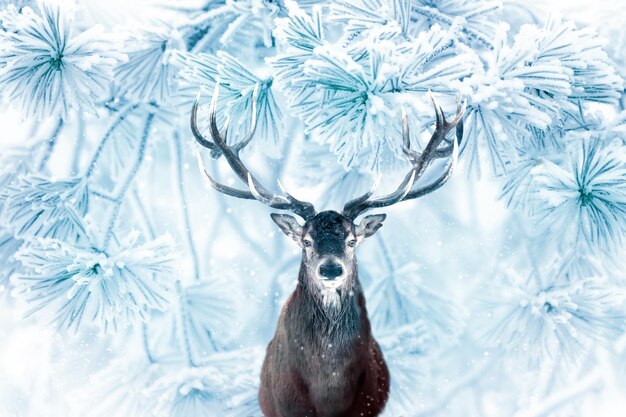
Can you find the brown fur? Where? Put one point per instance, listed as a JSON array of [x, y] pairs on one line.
[[317, 367]]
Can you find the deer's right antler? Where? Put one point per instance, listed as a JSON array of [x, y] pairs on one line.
[[219, 147]]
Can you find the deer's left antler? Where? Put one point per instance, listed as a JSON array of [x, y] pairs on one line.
[[419, 162]]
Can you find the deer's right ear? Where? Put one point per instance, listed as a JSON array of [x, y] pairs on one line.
[[289, 225]]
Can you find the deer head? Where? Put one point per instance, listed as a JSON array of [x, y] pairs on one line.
[[328, 239], [328, 243]]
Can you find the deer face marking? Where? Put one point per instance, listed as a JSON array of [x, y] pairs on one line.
[[328, 243]]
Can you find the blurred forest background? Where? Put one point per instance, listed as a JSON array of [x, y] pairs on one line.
[[129, 287]]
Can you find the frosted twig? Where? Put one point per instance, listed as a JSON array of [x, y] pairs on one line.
[[103, 195], [116, 123], [437, 16], [445, 398], [127, 182], [207, 17], [558, 399], [145, 342], [183, 314], [151, 232], [386, 255], [52, 141], [78, 149], [183, 319], [178, 152]]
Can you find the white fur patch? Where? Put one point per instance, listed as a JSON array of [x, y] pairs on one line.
[[331, 300]]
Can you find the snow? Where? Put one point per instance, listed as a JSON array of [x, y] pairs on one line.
[[501, 294]]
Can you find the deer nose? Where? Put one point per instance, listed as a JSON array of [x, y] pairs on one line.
[[331, 271]]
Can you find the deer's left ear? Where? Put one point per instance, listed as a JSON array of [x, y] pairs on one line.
[[289, 225], [369, 225]]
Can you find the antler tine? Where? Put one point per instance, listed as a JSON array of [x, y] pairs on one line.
[[406, 139], [401, 191], [215, 151], [361, 204], [352, 204], [271, 199], [287, 202], [225, 189], [441, 120], [194, 126], [447, 151], [253, 123], [231, 153], [303, 206], [439, 182], [461, 106], [215, 132], [233, 160], [441, 130], [420, 163]]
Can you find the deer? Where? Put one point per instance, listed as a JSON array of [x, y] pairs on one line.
[[323, 360]]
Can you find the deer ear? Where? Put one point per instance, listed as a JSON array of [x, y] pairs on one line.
[[289, 225], [369, 225]]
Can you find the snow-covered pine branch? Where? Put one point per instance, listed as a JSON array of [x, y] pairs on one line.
[[105, 221]]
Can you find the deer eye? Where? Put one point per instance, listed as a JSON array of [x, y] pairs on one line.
[[307, 243], [352, 243]]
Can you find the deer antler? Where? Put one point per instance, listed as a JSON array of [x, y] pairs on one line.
[[219, 147], [419, 161]]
